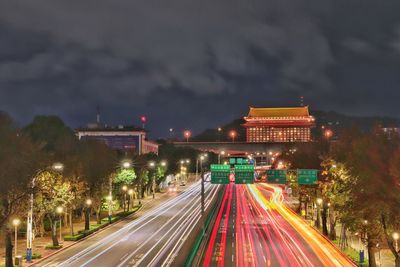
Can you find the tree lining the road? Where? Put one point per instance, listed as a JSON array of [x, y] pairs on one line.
[[360, 180], [29, 154]]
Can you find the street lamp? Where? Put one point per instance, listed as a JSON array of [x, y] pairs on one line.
[[396, 236], [187, 135], [29, 222], [124, 188], [60, 210], [219, 133], [317, 221], [130, 192], [58, 166], [126, 164], [219, 156], [87, 221], [232, 135], [328, 134], [110, 204], [152, 164], [16, 222]]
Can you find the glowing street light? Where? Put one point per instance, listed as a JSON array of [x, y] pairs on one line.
[[232, 135], [16, 222], [143, 120], [396, 237], [152, 164], [187, 135], [124, 188], [60, 210], [126, 164], [89, 202], [317, 221], [328, 134], [58, 166], [130, 193]]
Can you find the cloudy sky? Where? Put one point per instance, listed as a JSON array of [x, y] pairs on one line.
[[196, 64]]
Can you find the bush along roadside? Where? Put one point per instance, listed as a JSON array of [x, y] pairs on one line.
[[95, 227], [352, 253]]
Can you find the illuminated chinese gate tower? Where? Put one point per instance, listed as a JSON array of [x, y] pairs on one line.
[[276, 125]]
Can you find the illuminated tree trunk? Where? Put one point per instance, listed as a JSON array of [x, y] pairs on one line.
[[324, 221], [98, 218], [332, 220], [71, 224], [87, 218], [8, 245], [53, 224], [371, 255]]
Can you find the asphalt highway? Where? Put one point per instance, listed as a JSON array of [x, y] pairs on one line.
[[153, 239], [253, 227]]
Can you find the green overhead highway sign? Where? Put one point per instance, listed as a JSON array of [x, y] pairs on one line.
[[307, 176], [244, 174], [276, 176], [220, 173]]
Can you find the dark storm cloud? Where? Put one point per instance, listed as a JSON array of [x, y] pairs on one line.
[[196, 64]]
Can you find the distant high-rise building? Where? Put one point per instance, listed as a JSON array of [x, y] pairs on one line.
[[122, 138]]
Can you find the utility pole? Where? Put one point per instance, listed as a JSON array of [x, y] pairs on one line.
[[202, 193], [29, 230]]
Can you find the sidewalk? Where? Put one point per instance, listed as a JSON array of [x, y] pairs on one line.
[[40, 243], [384, 256]]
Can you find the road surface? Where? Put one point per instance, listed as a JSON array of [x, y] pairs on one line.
[[254, 228], [154, 239]]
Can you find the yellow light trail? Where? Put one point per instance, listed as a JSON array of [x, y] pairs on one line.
[[323, 248]]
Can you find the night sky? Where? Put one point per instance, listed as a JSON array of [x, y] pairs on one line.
[[196, 64]]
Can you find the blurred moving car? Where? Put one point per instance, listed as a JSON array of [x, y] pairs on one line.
[[172, 188]]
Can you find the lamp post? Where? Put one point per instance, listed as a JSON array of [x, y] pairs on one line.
[[317, 221], [219, 156], [362, 254], [328, 134], [396, 236], [232, 135], [16, 223], [199, 159], [124, 188], [130, 192], [152, 164], [88, 206], [187, 135], [29, 222], [59, 211]]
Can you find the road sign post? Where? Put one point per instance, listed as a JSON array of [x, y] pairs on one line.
[[220, 173], [307, 176], [277, 176], [244, 174]]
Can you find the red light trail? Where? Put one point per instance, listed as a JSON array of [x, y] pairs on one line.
[[265, 233]]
